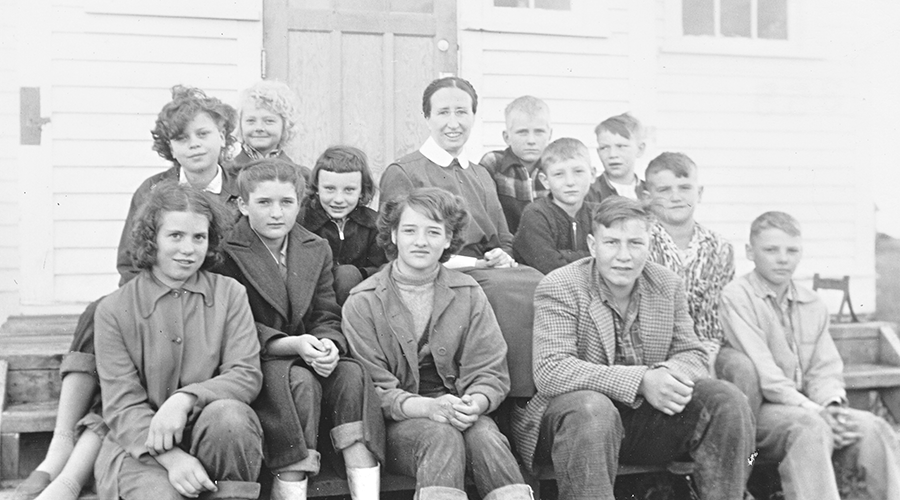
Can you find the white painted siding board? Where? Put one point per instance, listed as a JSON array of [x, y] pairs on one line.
[[103, 206], [213, 78], [84, 288], [86, 180], [103, 234], [101, 152], [142, 48], [84, 261]]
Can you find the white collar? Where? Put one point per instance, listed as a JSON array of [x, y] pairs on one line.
[[439, 155], [214, 186]]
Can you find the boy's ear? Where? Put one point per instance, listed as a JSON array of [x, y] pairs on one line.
[[591, 243], [699, 194], [640, 149], [748, 247], [543, 178], [242, 206], [506, 137]]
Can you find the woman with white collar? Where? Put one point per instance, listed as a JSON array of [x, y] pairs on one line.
[[449, 105]]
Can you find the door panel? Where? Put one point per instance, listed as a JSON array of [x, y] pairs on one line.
[[359, 68]]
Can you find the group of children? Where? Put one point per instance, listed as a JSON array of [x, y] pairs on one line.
[[203, 380]]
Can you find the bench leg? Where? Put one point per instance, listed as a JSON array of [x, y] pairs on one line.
[[9, 455]]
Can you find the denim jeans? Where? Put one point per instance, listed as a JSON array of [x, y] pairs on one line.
[[736, 367], [227, 440], [438, 456], [801, 440], [585, 435]]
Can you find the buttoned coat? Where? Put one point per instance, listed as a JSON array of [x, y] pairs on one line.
[[574, 342], [468, 348], [302, 304]]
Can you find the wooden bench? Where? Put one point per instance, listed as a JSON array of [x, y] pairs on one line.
[[871, 354]]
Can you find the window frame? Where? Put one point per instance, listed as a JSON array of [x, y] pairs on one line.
[[798, 43], [587, 18]]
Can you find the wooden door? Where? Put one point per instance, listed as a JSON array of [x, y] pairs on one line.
[[359, 68]]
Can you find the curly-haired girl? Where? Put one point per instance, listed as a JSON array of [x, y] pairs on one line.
[[431, 343]]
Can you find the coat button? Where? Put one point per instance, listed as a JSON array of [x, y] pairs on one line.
[[175, 293], [177, 340], [442, 351]]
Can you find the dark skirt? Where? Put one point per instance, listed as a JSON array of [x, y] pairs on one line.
[[511, 294]]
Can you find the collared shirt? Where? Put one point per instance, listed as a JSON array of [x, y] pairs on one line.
[[629, 348], [517, 187], [705, 267], [214, 186], [440, 156], [281, 259], [785, 310]]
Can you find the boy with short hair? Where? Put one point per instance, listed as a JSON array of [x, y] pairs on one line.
[[553, 230], [620, 142], [701, 257], [514, 168], [804, 423]]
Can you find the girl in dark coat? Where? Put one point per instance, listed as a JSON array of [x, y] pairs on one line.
[[306, 378], [335, 209]]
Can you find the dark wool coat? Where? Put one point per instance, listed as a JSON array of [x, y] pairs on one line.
[[357, 246], [304, 305]]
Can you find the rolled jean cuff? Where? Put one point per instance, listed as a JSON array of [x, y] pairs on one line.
[[345, 435], [511, 492], [440, 493], [233, 489], [78, 362], [310, 464]]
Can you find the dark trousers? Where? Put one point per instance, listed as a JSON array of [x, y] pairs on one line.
[[585, 435], [226, 438]]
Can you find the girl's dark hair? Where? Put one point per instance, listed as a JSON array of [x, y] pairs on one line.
[[170, 196], [269, 169], [437, 204], [448, 82], [342, 160], [186, 103]]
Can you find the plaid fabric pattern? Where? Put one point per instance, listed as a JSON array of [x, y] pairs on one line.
[[511, 177], [708, 268], [629, 349], [574, 342]]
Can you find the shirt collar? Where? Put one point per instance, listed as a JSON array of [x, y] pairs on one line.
[[795, 293], [151, 290], [254, 154], [214, 186], [439, 155], [606, 294], [281, 254]]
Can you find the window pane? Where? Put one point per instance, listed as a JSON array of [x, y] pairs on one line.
[[522, 4], [698, 17], [772, 19], [735, 18], [553, 4]]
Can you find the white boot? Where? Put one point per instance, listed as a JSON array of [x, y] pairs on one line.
[[365, 483], [288, 490]]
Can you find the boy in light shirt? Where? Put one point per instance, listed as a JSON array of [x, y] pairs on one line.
[[822, 446]]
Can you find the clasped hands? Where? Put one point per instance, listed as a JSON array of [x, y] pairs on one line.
[[844, 428], [320, 354], [460, 412], [496, 258]]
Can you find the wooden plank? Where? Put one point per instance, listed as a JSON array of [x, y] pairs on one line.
[[83, 288], [153, 75], [308, 77], [362, 88], [414, 68], [889, 346], [858, 351], [87, 234], [106, 47], [31, 386], [95, 206], [30, 417], [76, 261], [132, 157], [871, 376], [9, 455], [362, 22]]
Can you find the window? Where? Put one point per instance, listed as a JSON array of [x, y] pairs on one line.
[[766, 19], [583, 18]]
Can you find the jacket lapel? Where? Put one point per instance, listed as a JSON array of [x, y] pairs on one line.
[[657, 312], [303, 270], [259, 268], [399, 322], [603, 321]]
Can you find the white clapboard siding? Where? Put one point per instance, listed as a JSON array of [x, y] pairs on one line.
[[771, 133], [9, 196], [113, 65]]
